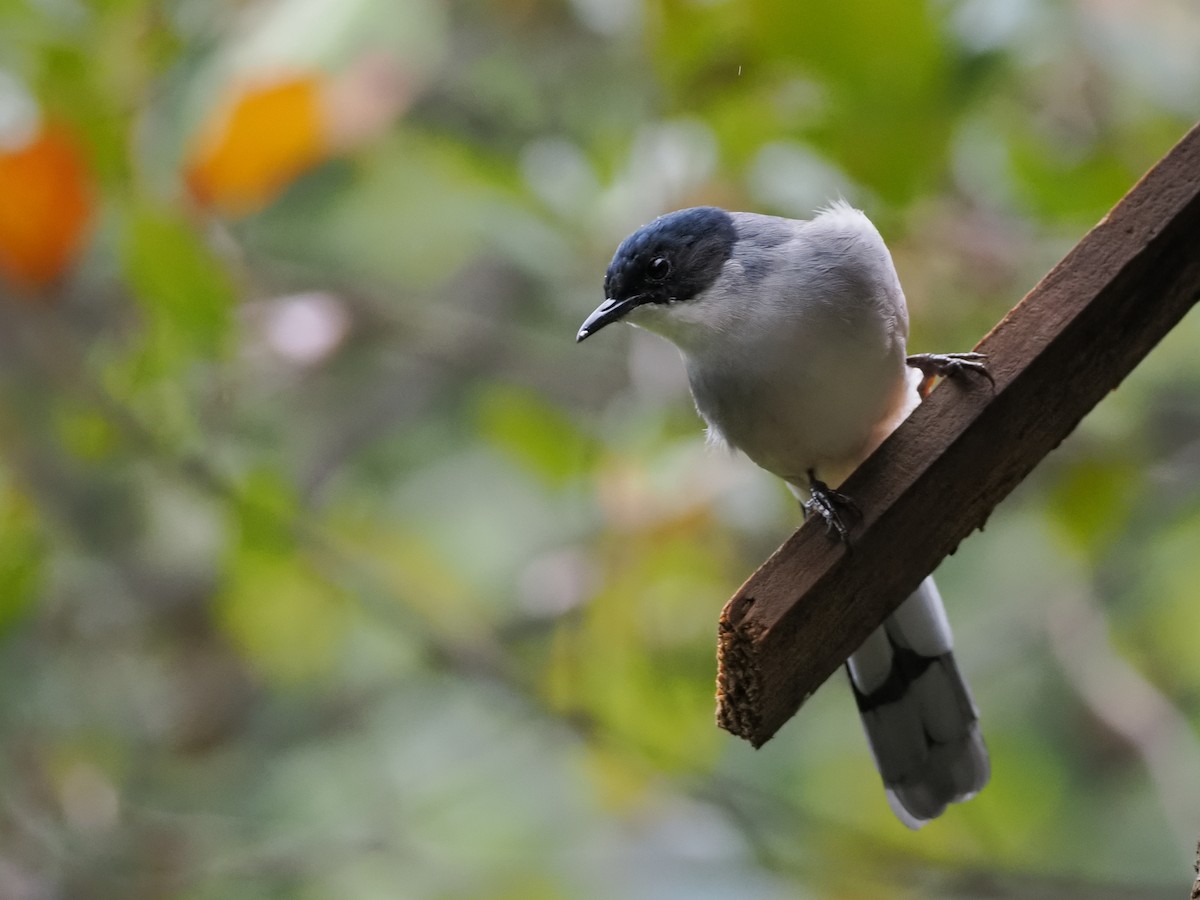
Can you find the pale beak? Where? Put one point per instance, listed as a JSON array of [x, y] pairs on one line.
[[606, 313]]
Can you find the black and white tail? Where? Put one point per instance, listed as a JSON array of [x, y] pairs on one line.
[[917, 711]]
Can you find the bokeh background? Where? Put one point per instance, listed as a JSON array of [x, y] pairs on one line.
[[331, 567]]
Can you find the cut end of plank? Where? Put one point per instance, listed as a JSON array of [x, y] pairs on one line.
[[739, 678]]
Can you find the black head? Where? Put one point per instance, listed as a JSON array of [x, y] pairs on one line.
[[672, 259]]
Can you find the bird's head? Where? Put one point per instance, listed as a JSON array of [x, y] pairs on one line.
[[670, 261]]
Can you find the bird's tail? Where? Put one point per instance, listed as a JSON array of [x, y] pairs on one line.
[[917, 711]]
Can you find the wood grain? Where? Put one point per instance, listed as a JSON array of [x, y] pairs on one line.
[[1056, 354]]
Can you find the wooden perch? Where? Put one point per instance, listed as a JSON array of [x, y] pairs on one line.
[[1055, 355]]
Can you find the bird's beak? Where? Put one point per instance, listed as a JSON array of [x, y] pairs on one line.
[[607, 313]]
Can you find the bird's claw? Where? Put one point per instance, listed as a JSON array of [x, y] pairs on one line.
[[830, 506], [949, 365]]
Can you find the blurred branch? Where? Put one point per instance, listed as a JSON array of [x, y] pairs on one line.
[[1073, 338]]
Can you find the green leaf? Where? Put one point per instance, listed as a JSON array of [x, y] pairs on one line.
[[533, 432], [85, 433], [880, 75], [22, 549], [267, 508], [183, 288], [1091, 502], [287, 620]]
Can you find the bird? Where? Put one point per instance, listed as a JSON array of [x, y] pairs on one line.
[[794, 333]]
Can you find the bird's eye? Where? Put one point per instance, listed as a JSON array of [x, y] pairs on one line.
[[659, 268]]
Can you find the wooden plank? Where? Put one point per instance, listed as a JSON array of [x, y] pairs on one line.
[[1073, 338]]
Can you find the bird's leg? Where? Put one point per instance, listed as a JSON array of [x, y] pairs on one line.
[[829, 505], [948, 365]]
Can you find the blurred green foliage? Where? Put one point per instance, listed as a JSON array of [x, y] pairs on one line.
[[331, 567]]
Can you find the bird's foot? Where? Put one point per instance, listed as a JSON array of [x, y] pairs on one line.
[[948, 365], [830, 505]]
